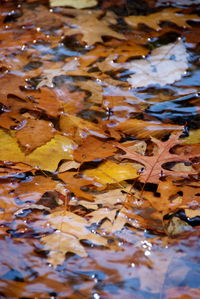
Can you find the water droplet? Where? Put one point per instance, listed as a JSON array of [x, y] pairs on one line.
[[96, 296]]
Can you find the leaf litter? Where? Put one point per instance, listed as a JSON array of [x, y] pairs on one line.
[[81, 84]]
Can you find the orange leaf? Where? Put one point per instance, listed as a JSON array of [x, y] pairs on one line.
[[93, 148], [35, 133], [153, 164]]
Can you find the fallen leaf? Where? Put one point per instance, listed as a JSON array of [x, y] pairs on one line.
[[144, 129], [176, 226], [153, 164], [111, 173], [194, 137], [79, 128], [168, 14], [92, 25], [57, 69], [31, 207], [32, 190], [108, 199], [116, 219], [74, 183], [76, 4], [192, 213], [35, 133], [93, 148], [71, 228], [68, 165], [165, 65], [45, 157], [40, 16], [59, 244]]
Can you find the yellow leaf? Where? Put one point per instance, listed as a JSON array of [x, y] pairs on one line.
[[194, 137], [111, 173], [192, 213], [45, 157], [72, 3]]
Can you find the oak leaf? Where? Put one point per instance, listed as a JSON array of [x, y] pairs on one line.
[[168, 14], [92, 25], [154, 164], [70, 229]]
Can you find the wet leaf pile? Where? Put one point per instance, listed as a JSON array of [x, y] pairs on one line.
[[100, 149]]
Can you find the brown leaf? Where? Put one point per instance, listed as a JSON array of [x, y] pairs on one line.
[[35, 133], [168, 14], [93, 148], [15, 98], [74, 184], [153, 164], [79, 128], [40, 16], [144, 129], [33, 189]]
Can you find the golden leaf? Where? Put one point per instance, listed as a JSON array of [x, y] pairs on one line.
[[112, 173], [45, 157]]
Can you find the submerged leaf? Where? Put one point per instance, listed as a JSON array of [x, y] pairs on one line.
[[35, 133], [70, 229], [153, 164], [168, 14], [112, 173], [45, 157], [165, 65]]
